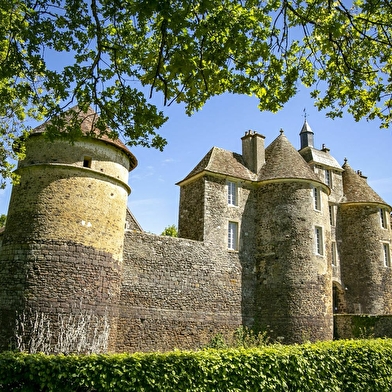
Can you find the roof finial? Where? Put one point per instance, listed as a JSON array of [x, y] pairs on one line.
[[281, 131], [345, 160], [305, 114]]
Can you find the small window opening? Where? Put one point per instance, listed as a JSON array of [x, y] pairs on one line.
[[316, 199], [87, 162], [319, 242], [383, 218], [334, 253], [232, 239], [332, 218], [232, 193], [386, 255]]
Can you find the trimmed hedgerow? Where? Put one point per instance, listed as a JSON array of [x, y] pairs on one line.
[[361, 365]]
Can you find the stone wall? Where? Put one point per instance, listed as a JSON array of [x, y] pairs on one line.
[[349, 326], [45, 280], [176, 293]]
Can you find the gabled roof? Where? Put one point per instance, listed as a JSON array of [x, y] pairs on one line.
[[283, 161], [88, 128], [223, 162], [356, 189]]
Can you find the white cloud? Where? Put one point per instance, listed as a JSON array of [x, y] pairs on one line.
[[168, 160]]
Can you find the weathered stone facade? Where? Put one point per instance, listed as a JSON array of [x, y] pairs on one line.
[[272, 239]]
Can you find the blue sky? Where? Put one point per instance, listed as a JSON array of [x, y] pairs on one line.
[[222, 122]]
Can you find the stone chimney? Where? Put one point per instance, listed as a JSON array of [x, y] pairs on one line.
[[253, 150]]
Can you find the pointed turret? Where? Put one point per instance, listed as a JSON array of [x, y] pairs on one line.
[[364, 235], [284, 162], [356, 189], [306, 136], [286, 214]]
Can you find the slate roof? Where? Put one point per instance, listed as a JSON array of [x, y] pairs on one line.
[[356, 189], [322, 157], [283, 161], [87, 126], [223, 162], [306, 128]]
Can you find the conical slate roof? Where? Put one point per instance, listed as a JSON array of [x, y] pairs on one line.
[[223, 162], [283, 161], [88, 128], [356, 189]]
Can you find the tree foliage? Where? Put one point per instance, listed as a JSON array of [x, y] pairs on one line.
[[3, 218], [114, 55], [170, 231]]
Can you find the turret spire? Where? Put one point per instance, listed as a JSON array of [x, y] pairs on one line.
[[306, 135]]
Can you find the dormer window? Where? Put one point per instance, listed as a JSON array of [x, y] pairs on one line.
[[87, 162], [232, 193]]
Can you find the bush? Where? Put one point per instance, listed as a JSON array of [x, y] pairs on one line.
[[362, 365]]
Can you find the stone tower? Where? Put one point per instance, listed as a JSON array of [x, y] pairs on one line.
[[364, 237], [294, 293], [61, 258]]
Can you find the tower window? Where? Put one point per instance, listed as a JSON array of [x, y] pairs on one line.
[[334, 253], [383, 218], [232, 236], [386, 255], [319, 242], [87, 162], [317, 199], [332, 217], [232, 193]]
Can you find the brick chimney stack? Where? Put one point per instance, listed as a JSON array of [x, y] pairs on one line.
[[253, 150]]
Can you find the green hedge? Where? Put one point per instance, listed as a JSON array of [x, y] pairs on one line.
[[361, 365]]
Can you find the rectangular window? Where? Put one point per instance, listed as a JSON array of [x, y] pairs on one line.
[[386, 255], [232, 237], [87, 162], [328, 177], [317, 199], [332, 217], [232, 193], [319, 244], [334, 253], [383, 218]]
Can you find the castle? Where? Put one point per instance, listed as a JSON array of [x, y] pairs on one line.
[[275, 239]]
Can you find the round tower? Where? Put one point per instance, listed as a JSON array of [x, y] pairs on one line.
[[364, 238], [294, 295], [62, 247]]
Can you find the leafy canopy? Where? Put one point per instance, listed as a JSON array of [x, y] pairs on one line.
[[114, 55], [170, 231]]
